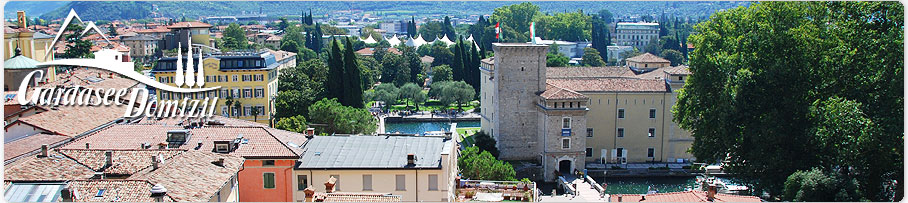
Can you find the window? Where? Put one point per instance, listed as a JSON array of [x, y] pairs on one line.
[[620, 113], [247, 93], [302, 182], [433, 182], [680, 77], [620, 132], [222, 148], [589, 152], [652, 132], [401, 182], [652, 113], [259, 92], [566, 123], [651, 152], [367, 182], [589, 132], [261, 77], [268, 179], [100, 193], [268, 163], [235, 78], [619, 152], [565, 143]]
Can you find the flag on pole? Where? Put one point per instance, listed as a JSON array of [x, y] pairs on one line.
[[533, 32], [498, 30]]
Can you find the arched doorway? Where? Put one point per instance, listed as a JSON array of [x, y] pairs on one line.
[[565, 166]]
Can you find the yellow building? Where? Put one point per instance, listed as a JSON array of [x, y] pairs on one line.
[[249, 78], [567, 117], [20, 41]]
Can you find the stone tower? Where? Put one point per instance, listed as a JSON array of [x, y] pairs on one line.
[[511, 82]]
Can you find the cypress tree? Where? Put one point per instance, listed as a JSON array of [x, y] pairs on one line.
[[335, 86], [353, 87], [475, 68], [317, 43], [467, 62], [457, 64]]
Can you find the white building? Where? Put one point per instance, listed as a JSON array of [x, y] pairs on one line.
[[636, 34]]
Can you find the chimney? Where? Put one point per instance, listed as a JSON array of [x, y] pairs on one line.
[[411, 159], [43, 151], [310, 133], [66, 194], [329, 185], [158, 192], [87, 145], [155, 162], [310, 193], [162, 145], [711, 192], [108, 155], [643, 197], [619, 198]]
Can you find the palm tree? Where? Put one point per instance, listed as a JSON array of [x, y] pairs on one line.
[[229, 103], [255, 113], [239, 108]]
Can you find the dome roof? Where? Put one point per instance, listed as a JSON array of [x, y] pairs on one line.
[[20, 62]]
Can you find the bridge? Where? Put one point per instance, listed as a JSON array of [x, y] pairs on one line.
[[583, 189]]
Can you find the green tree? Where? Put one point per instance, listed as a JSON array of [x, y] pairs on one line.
[[442, 54], [441, 73], [228, 101], [255, 113], [353, 88], [290, 46], [447, 28], [112, 30], [300, 87], [515, 20], [234, 37], [409, 91], [430, 30], [485, 142], [458, 92], [674, 56], [653, 47], [818, 186], [556, 60], [341, 119], [335, 86], [387, 93], [606, 16], [238, 106], [76, 47], [294, 124], [477, 164], [842, 109], [591, 58]]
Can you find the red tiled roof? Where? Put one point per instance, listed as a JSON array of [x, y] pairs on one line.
[[160, 29], [73, 120], [189, 25], [587, 72], [125, 162], [647, 58], [114, 191], [610, 84], [678, 70], [53, 167], [557, 93], [30, 144], [193, 176], [687, 196], [261, 142]]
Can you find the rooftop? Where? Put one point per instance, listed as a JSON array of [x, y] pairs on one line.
[[357, 197], [125, 162], [647, 58], [556, 93], [372, 152], [193, 176], [678, 70], [587, 72], [34, 168], [20, 62], [179, 25], [30, 144], [114, 191], [610, 84]]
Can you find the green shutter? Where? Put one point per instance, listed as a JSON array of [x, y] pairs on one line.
[[269, 180]]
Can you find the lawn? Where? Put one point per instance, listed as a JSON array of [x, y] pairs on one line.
[[468, 138], [430, 105]]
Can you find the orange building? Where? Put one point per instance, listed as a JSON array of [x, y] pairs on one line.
[[270, 154]]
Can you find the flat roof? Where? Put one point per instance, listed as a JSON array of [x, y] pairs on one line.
[[372, 152]]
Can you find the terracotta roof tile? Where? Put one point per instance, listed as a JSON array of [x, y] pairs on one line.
[[610, 84], [261, 143], [648, 58], [114, 191], [189, 25], [74, 120], [193, 176], [557, 93], [37, 169], [125, 162], [687, 196], [30, 144], [678, 70], [587, 72]]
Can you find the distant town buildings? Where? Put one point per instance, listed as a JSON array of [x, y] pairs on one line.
[[637, 35], [181, 31], [141, 46]]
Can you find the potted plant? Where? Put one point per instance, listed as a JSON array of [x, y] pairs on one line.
[[469, 194]]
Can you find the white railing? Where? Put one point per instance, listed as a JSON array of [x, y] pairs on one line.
[[568, 188], [594, 184]]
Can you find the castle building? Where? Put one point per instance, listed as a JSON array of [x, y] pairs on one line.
[[565, 117]]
